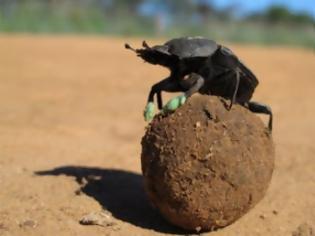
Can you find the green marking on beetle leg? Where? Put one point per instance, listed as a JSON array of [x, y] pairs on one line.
[[182, 100], [174, 103], [149, 111]]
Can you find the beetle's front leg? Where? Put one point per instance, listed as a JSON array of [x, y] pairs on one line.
[[159, 100], [169, 85], [197, 81]]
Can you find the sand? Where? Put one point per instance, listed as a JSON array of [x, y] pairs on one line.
[[71, 125]]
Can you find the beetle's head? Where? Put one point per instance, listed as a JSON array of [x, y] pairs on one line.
[[156, 55]]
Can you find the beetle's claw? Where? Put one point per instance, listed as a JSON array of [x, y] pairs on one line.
[[149, 112], [230, 106], [174, 103]]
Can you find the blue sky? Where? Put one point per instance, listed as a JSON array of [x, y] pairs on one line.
[[247, 6]]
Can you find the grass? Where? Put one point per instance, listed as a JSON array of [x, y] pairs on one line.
[[254, 33]]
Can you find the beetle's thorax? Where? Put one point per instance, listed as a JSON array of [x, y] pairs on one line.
[[189, 65]]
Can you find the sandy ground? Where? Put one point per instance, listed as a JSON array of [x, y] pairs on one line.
[[70, 129]]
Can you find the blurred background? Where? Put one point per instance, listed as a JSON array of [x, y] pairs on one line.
[[289, 22], [72, 97]]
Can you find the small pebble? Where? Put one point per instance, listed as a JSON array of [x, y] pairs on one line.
[[78, 192], [304, 230], [102, 218], [28, 223], [2, 226]]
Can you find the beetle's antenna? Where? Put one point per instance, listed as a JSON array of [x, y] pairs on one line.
[[145, 45], [127, 46]]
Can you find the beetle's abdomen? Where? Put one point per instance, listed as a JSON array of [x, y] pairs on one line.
[[246, 89], [224, 86]]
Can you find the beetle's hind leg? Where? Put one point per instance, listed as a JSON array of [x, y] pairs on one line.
[[262, 109]]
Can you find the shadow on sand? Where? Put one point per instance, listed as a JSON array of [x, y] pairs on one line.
[[120, 192]]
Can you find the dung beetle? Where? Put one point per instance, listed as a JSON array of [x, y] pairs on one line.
[[201, 65]]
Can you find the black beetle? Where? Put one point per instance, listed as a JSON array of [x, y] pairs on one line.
[[200, 65]]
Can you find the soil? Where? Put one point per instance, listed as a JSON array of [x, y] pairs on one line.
[[71, 125], [205, 166]]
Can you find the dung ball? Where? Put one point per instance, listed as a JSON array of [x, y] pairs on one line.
[[205, 166]]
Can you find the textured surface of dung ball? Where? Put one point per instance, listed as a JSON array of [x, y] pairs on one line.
[[204, 166]]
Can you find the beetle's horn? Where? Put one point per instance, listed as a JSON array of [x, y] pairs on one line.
[[127, 46], [145, 45]]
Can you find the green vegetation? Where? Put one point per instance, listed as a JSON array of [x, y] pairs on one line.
[[168, 18], [247, 32]]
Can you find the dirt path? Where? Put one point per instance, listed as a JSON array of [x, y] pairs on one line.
[[70, 130]]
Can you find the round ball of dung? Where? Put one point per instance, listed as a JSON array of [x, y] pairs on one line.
[[205, 166]]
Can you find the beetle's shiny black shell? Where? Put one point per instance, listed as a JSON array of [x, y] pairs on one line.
[[188, 47]]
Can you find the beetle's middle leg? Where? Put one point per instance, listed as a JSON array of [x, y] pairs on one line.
[[189, 85], [196, 82], [262, 109], [227, 85], [237, 84]]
